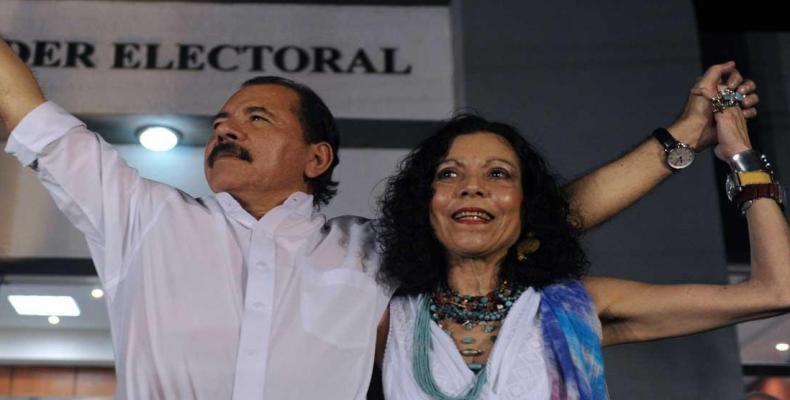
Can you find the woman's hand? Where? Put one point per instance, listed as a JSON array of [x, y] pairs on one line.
[[696, 125], [633, 311], [732, 135]]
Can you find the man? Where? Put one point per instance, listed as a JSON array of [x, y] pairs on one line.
[[251, 293]]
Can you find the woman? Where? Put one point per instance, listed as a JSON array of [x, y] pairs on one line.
[[493, 301]]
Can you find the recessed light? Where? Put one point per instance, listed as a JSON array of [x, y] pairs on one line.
[[782, 346], [97, 293], [53, 319], [44, 305], [158, 138]]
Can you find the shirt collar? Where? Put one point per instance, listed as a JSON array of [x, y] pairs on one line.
[[298, 206]]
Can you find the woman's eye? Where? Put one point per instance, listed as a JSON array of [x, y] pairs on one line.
[[500, 173], [446, 173]]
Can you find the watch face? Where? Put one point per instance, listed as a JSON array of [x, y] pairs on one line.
[[730, 187], [680, 157]]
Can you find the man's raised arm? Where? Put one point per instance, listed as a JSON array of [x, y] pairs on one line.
[[88, 180], [19, 91], [610, 189]]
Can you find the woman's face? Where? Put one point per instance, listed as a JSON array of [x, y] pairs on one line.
[[476, 206]]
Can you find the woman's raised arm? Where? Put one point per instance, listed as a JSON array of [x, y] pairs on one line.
[[634, 311]]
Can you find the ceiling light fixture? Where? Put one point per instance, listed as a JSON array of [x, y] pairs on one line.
[[97, 293], [64, 306], [53, 319], [158, 138], [782, 346]]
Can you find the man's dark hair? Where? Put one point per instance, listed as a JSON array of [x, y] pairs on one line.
[[413, 259], [318, 125]]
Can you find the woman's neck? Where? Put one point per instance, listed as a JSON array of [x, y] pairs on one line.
[[473, 276]]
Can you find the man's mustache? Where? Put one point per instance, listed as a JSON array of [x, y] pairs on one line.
[[228, 148]]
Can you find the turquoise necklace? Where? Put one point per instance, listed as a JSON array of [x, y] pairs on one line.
[[421, 363], [486, 312], [468, 311]]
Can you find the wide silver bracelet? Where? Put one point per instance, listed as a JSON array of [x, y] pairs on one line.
[[749, 160]]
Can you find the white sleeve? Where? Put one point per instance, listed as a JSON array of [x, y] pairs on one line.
[[97, 191]]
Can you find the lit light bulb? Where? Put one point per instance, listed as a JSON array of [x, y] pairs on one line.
[[44, 305], [782, 346], [53, 319], [158, 138], [97, 293]]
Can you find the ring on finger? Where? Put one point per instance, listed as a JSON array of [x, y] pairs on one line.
[[726, 98]]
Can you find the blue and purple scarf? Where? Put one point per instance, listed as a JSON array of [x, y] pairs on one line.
[[572, 341]]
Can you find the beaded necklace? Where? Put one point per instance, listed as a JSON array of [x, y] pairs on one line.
[[421, 363], [469, 311], [448, 304], [486, 312]]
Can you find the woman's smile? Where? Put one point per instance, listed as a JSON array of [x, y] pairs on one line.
[[472, 216], [476, 206]]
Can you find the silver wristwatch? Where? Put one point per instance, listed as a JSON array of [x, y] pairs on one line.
[[679, 155]]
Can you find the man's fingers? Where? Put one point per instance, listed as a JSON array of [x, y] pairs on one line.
[[750, 101], [706, 91], [748, 86], [750, 113], [703, 91], [734, 79], [714, 73]]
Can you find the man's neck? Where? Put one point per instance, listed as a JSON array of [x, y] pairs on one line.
[[257, 204]]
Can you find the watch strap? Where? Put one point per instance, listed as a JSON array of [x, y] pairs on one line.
[[752, 192], [665, 138]]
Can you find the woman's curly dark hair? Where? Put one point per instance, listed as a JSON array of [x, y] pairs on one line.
[[413, 259]]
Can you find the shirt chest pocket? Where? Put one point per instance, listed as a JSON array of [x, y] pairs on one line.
[[339, 307]]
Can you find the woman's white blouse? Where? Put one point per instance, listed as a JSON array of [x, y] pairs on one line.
[[516, 367]]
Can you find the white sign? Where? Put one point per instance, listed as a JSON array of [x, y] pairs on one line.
[[108, 57]]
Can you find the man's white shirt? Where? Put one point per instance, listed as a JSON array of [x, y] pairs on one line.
[[205, 301]]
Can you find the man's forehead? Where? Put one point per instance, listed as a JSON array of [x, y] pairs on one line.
[[265, 95], [247, 110]]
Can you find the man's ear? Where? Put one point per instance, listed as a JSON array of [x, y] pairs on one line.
[[319, 159]]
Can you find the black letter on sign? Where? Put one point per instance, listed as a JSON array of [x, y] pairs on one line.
[[302, 59], [188, 57], [43, 54], [124, 53], [361, 60], [326, 56], [79, 51], [257, 56], [389, 62], [21, 49], [152, 57], [214, 56]]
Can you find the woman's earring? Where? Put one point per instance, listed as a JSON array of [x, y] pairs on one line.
[[527, 246]]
